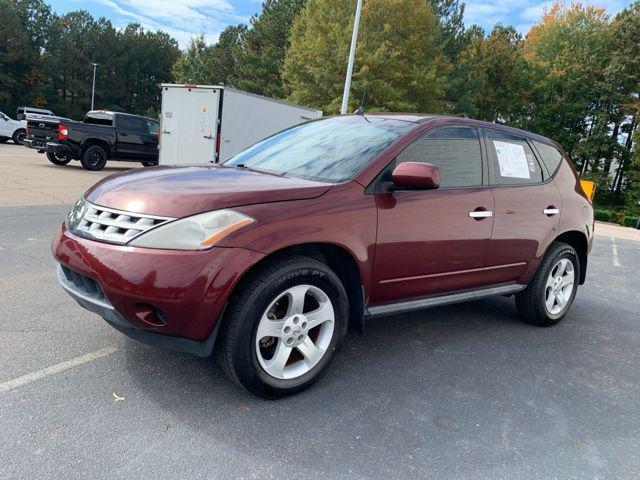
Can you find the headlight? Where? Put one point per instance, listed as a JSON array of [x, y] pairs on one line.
[[198, 232]]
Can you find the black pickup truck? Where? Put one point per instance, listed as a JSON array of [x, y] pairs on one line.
[[101, 136]]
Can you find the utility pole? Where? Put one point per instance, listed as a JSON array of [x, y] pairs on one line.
[[352, 54], [93, 88]]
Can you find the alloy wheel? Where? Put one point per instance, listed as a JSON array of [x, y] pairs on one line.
[[295, 332], [559, 286], [94, 158]]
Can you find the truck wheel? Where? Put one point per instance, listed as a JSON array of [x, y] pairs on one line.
[[18, 136], [58, 159], [283, 327], [94, 158], [151, 163], [550, 294]]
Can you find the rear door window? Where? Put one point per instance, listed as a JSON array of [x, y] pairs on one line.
[[551, 156], [454, 150], [131, 124], [511, 160], [99, 119]]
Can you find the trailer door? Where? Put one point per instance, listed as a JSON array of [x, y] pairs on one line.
[[189, 124]]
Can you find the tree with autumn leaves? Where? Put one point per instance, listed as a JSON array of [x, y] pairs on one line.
[[573, 77]]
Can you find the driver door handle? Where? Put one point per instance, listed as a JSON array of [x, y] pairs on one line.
[[481, 214]]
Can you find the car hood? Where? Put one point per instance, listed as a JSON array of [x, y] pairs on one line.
[[182, 191]]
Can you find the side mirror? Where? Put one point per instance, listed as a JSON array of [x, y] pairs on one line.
[[416, 176]]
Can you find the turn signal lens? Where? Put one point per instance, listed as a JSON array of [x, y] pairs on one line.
[[209, 242]]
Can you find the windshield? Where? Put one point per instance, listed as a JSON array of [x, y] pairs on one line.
[[330, 150]]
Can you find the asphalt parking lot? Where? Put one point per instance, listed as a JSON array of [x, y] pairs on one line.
[[457, 392]]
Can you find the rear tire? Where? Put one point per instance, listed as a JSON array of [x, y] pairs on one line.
[[550, 294], [58, 159], [94, 158], [18, 136], [304, 305]]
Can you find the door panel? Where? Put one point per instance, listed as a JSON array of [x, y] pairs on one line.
[[427, 243], [521, 228], [132, 133]]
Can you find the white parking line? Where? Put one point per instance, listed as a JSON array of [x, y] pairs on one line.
[[53, 369], [614, 249]]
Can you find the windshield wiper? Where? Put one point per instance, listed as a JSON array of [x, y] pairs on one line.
[[259, 170]]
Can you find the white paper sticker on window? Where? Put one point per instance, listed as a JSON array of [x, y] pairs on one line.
[[512, 160]]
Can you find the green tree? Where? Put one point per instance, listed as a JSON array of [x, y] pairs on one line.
[[263, 49], [490, 80], [450, 14], [23, 25], [623, 74], [568, 55], [399, 57], [191, 66], [212, 64]]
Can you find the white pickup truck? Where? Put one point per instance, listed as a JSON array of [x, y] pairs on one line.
[[12, 129]]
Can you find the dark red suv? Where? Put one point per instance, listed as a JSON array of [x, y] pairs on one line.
[[270, 256]]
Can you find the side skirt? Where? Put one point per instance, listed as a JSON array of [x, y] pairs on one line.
[[411, 305]]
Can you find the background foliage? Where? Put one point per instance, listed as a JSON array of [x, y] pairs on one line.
[[575, 76]]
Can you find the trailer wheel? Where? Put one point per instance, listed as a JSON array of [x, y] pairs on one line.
[[94, 158]]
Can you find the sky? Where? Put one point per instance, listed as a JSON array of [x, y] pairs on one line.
[[184, 19]]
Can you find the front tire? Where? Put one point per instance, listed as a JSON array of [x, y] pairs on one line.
[[550, 294], [283, 327], [18, 136], [58, 159], [94, 158]]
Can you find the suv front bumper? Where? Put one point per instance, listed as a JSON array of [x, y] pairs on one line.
[[167, 298]]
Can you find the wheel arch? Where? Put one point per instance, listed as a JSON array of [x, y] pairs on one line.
[[336, 257], [579, 242]]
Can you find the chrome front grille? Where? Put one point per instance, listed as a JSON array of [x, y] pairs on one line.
[[110, 225]]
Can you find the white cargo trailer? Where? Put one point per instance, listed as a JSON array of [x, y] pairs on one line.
[[201, 124]]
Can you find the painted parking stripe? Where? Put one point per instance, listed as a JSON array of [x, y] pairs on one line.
[[614, 249], [54, 369]]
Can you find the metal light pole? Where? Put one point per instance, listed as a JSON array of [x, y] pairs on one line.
[[93, 88], [352, 54]]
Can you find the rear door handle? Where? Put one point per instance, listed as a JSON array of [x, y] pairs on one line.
[[551, 211], [481, 214]]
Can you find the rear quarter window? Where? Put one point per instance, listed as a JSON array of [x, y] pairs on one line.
[[511, 160], [551, 156]]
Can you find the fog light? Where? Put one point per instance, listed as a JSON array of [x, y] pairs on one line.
[[150, 315]]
